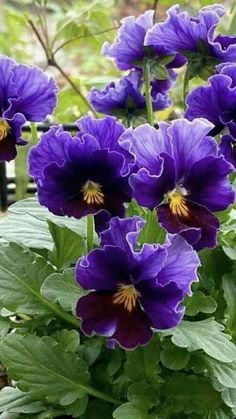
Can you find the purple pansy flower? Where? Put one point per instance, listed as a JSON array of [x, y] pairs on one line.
[[181, 174], [125, 98], [133, 291], [85, 174], [217, 101], [181, 33], [227, 147], [129, 51], [26, 94]]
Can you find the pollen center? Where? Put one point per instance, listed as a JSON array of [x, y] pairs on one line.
[[126, 295], [92, 193], [4, 129], [178, 204]]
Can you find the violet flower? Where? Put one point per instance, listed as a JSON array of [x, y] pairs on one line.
[[85, 174], [227, 148], [26, 94], [217, 101], [133, 291], [129, 50], [125, 99], [181, 174], [189, 35]]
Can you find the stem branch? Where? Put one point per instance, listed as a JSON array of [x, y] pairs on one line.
[[147, 79], [90, 225]]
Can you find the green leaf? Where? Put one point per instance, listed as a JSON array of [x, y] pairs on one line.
[[229, 287], [62, 288], [224, 373], [174, 358], [143, 395], [4, 327], [22, 273], [68, 245], [190, 393], [69, 339], [26, 225], [77, 408], [130, 411], [199, 302], [206, 335], [42, 367], [147, 358], [229, 396], [152, 232], [14, 400], [159, 71], [165, 59]]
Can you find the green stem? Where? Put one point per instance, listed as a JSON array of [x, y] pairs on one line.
[[149, 219], [34, 133], [100, 395], [90, 224], [185, 86], [147, 80]]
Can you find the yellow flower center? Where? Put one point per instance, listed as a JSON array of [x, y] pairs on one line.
[[4, 129], [92, 192], [126, 295], [177, 204]]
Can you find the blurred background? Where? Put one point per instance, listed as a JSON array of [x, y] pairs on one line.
[[64, 38]]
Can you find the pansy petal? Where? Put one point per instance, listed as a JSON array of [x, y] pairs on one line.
[[106, 130], [224, 48], [128, 48], [8, 145], [199, 217], [162, 305], [208, 183], [181, 264], [146, 143], [123, 233], [148, 262], [103, 269], [149, 190], [36, 93], [57, 145], [8, 88], [227, 147], [99, 314], [190, 144]]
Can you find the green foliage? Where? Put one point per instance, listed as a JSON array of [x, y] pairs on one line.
[[62, 288], [15, 401], [43, 367], [26, 225], [199, 302], [68, 245], [206, 335], [21, 276]]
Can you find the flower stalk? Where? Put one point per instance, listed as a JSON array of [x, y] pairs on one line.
[[147, 79], [90, 227]]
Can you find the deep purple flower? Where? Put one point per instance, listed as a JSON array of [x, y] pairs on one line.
[[181, 33], [125, 98], [26, 94], [85, 174], [227, 147], [181, 174], [129, 51], [133, 291], [217, 101]]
